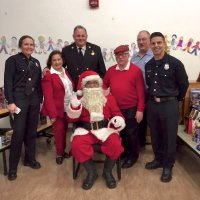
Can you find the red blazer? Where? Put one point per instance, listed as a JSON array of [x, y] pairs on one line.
[[54, 92]]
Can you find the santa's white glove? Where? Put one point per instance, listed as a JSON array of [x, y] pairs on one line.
[[74, 101], [118, 122]]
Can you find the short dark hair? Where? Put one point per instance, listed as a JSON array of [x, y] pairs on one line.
[[157, 34], [51, 55], [23, 38], [80, 27]]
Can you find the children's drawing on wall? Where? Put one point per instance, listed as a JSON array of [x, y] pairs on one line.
[[188, 45], [41, 45], [66, 43], [104, 54], [50, 44], [195, 48], [4, 45], [13, 45], [173, 42], [133, 48], [180, 43], [110, 55], [167, 49], [59, 45]]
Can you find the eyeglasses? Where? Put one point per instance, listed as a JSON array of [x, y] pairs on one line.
[[122, 54]]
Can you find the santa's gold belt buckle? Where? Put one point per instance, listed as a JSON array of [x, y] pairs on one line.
[[157, 99], [93, 125]]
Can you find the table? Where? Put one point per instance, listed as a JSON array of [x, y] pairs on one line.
[[3, 150], [187, 139], [42, 128], [4, 112]]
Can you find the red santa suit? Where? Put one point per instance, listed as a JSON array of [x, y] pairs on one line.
[[57, 89], [105, 125]]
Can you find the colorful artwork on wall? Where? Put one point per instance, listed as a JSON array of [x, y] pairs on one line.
[[45, 45]]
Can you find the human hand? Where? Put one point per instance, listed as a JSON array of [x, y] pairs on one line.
[[74, 101], [117, 122], [53, 120], [106, 92], [41, 106], [139, 116], [45, 70], [12, 107]]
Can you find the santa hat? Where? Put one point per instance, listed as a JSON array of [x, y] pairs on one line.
[[85, 77]]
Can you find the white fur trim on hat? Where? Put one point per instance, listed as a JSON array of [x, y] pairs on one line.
[[91, 78]]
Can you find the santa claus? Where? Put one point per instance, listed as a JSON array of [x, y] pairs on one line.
[[99, 121]]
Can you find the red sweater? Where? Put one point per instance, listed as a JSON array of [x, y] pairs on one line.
[[126, 86]]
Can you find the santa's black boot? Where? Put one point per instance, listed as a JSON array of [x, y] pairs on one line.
[[91, 174], [107, 173]]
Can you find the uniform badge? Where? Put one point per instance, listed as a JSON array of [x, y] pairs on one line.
[[89, 47], [72, 47], [166, 67], [92, 53], [36, 64]]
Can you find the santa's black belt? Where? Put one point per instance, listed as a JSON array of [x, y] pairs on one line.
[[162, 99], [92, 125]]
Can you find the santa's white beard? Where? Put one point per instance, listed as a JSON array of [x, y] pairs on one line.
[[93, 99]]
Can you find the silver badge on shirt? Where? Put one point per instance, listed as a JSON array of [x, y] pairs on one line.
[[166, 67]]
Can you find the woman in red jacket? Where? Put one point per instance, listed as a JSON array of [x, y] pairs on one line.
[[57, 89]]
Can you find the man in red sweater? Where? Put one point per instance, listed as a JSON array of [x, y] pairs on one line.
[[126, 84]]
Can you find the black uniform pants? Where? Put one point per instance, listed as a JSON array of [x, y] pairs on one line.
[[24, 129], [163, 122], [129, 134]]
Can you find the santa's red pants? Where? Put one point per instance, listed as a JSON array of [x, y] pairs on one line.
[[60, 130], [81, 147]]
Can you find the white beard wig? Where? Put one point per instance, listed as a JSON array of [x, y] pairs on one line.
[[93, 99]]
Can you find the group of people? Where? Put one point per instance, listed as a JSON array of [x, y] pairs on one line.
[[110, 108]]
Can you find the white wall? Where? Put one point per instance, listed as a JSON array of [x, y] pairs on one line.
[[115, 22]]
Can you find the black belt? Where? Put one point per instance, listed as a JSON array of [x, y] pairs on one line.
[[93, 125], [162, 99]]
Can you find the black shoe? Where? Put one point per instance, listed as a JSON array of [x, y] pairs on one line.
[[124, 155], [12, 175], [129, 162], [33, 164], [110, 180], [67, 155], [91, 174], [166, 174], [153, 164], [59, 160], [89, 181]]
